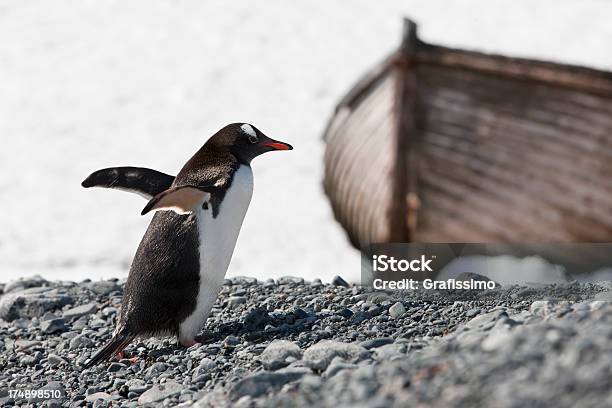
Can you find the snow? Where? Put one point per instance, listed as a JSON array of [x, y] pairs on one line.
[[92, 84]]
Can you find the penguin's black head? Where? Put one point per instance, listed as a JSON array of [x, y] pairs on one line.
[[246, 142]]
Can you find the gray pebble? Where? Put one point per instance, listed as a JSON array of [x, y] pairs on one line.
[[78, 311], [159, 392], [279, 353], [79, 341], [321, 354], [397, 310], [53, 326]]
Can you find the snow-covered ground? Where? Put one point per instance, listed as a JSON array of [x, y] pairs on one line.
[[91, 84]]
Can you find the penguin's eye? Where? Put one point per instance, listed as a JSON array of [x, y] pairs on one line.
[[250, 132]]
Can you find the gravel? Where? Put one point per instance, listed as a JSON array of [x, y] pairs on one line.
[[294, 343]]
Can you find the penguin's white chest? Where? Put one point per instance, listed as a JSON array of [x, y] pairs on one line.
[[217, 240]]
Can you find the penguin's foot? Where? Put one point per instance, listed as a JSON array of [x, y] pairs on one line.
[[125, 355]]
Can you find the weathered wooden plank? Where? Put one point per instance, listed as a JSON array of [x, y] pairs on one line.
[[352, 173]]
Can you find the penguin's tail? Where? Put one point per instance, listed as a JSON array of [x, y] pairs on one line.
[[112, 348]]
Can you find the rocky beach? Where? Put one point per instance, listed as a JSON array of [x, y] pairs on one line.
[[289, 342]]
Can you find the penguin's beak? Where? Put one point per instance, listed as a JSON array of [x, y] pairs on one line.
[[276, 145]]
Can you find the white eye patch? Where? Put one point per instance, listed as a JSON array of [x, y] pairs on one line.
[[250, 132]]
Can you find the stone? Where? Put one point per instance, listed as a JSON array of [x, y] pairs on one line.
[[317, 283], [205, 367], [79, 341], [160, 392], [397, 310], [97, 395], [234, 301], [114, 367], [346, 313], [338, 281], [28, 360], [53, 326], [279, 353], [290, 280], [604, 296], [136, 385], [336, 366], [497, 339], [243, 280], [82, 310], [256, 319], [542, 307], [25, 283], [319, 355], [28, 305], [55, 360], [102, 287], [374, 343], [485, 319], [261, 383], [598, 304], [25, 344], [389, 351], [473, 312], [231, 341], [156, 369]]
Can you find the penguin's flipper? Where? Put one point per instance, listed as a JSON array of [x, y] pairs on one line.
[[139, 180], [181, 199], [112, 348]]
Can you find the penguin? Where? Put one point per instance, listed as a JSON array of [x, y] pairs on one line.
[[180, 264]]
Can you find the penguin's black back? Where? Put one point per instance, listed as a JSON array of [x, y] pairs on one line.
[[163, 283]]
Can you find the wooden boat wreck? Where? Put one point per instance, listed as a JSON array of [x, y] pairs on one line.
[[444, 145]]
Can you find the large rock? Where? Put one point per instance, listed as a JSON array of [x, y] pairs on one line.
[[160, 392], [279, 353], [53, 326], [25, 283], [319, 355], [28, 304], [82, 310]]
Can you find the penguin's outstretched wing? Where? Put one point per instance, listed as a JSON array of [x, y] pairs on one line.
[[139, 180], [180, 199]]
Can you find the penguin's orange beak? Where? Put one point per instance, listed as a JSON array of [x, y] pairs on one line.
[[275, 145]]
